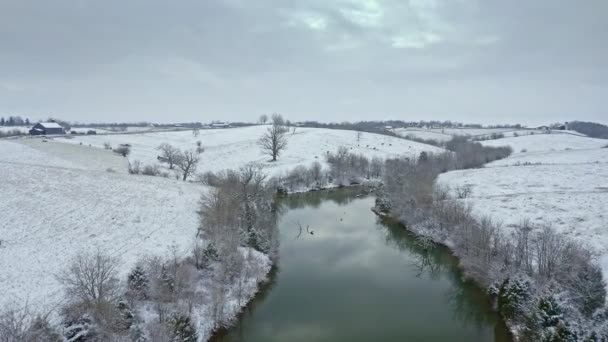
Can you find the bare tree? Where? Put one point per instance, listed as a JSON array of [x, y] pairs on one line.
[[123, 150], [92, 278], [187, 163], [273, 141], [359, 135], [196, 132], [263, 119], [169, 154], [277, 119]]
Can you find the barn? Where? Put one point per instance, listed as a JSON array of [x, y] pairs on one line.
[[44, 128]]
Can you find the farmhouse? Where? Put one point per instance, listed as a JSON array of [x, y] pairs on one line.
[[44, 128]]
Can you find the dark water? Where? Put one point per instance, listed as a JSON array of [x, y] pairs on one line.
[[359, 279]]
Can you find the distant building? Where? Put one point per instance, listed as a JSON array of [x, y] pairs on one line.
[[47, 128], [220, 125]]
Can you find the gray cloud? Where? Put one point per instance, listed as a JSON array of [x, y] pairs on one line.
[[466, 60]]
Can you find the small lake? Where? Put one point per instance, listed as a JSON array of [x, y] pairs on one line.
[[352, 277]]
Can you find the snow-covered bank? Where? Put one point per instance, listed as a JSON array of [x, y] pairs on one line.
[[549, 200]]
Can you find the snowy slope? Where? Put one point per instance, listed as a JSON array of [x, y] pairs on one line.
[[562, 182], [548, 142], [234, 147], [582, 156], [52, 211], [423, 134]]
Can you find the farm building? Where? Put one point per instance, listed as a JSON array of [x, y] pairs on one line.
[[44, 128], [220, 125]]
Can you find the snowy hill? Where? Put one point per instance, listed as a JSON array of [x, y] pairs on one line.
[[232, 148], [561, 181], [55, 208]]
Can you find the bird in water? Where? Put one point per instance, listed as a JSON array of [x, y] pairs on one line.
[[311, 232]]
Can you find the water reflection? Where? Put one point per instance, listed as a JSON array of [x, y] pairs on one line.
[[359, 278]]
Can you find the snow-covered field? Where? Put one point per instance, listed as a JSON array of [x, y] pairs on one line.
[[232, 148], [55, 208], [562, 182]]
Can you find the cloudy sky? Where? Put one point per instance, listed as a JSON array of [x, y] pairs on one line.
[[485, 61]]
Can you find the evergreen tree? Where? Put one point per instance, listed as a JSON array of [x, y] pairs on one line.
[[27, 122], [589, 289], [2, 122], [138, 282], [512, 296], [182, 329], [167, 279], [125, 316], [550, 312], [80, 330], [210, 255]]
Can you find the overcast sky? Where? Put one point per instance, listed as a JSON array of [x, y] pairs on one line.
[[488, 61]]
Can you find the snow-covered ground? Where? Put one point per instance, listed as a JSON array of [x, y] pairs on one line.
[[562, 182], [232, 148]]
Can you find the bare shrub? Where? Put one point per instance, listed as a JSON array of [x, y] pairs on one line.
[[150, 170], [135, 167], [122, 150], [315, 173], [107, 145], [23, 325], [463, 192]]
